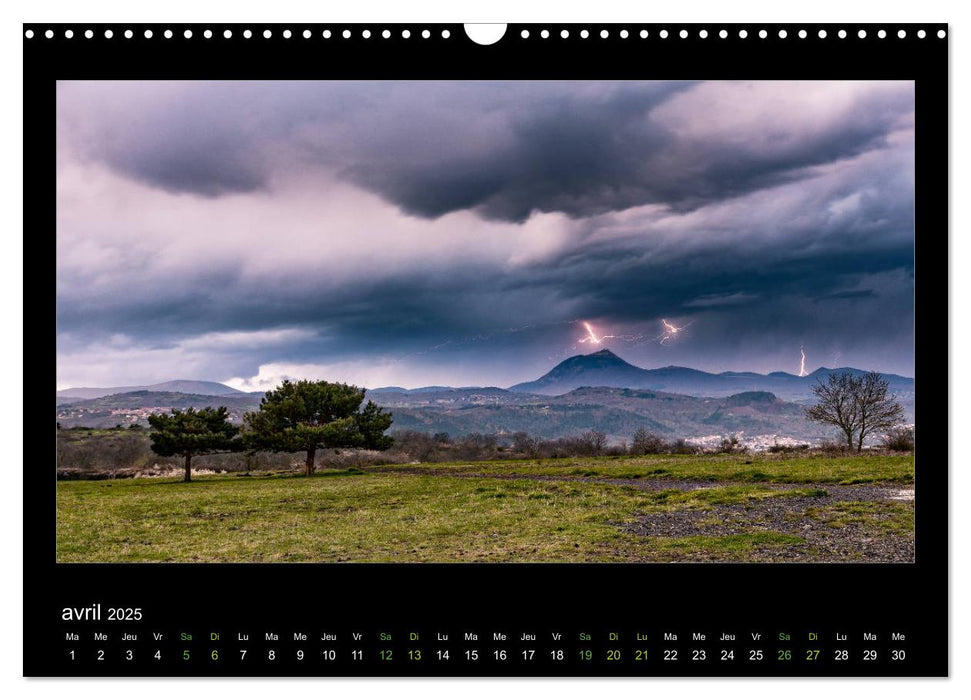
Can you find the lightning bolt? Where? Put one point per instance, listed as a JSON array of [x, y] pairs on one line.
[[802, 361], [670, 331], [592, 335]]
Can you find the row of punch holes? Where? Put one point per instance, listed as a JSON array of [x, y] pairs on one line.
[[524, 34]]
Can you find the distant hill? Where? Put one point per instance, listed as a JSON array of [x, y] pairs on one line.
[[182, 386], [604, 368], [616, 411], [135, 407], [402, 390], [443, 396], [599, 391]]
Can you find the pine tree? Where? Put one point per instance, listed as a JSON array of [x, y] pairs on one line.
[[305, 416], [192, 432]]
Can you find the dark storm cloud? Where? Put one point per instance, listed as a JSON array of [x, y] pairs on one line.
[[415, 309], [503, 149], [851, 294], [216, 229]]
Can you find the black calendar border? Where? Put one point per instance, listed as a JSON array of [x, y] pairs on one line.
[[913, 597]]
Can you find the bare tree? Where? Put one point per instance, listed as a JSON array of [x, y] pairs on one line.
[[856, 405], [877, 408], [835, 405]]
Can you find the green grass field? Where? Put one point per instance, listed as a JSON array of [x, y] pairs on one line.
[[474, 512], [745, 468]]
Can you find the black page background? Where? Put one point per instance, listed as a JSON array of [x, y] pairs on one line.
[[489, 596]]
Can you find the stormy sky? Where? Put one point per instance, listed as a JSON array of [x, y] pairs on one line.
[[460, 233]]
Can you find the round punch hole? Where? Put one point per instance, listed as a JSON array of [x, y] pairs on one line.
[[49, 34], [842, 34], [723, 34], [941, 33], [763, 34], [386, 34], [88, 34], [405, 34], [366, 34], [187, 33], [247, 34], [803, 34], [584, 34], [861, 33], [604, 33], [326, 34], [129, 34], [29, 34], [783, 33], [742, 34], [545, 33], [68, 34], [483, 34], [624, 34], [663, 34], [882, 34], [524, 34], [425, 34], [683, 34], [109, 33], [207, 34], [228, 34], [822, 34], [167, 34], [267, 33], [901, 34], [703, 33], [148, 33], [287, 33], [346, 34], [643, 34], [446, 34], [565, 34], [921, 33]]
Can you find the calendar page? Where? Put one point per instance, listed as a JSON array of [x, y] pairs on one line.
[[495, 350]]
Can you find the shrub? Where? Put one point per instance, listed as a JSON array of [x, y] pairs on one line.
[[731, 445], [830, 447], [900, 439], [681, 447], [646, 443], [524, 444], [786, 449]]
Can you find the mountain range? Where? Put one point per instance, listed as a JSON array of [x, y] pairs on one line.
[[183, 386], [598, 391], [604, 368]]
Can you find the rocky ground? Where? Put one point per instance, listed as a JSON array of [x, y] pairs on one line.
[[845, 525], [865, 523]]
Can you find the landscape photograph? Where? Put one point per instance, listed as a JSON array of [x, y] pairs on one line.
[[485, 322]]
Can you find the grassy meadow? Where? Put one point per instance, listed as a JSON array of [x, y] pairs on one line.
[[571, 510], [853, 469]]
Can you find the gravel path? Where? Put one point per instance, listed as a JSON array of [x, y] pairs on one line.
[[859, 539]]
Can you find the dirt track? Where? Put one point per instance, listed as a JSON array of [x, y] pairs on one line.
[[849, 540], [852, 539]]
